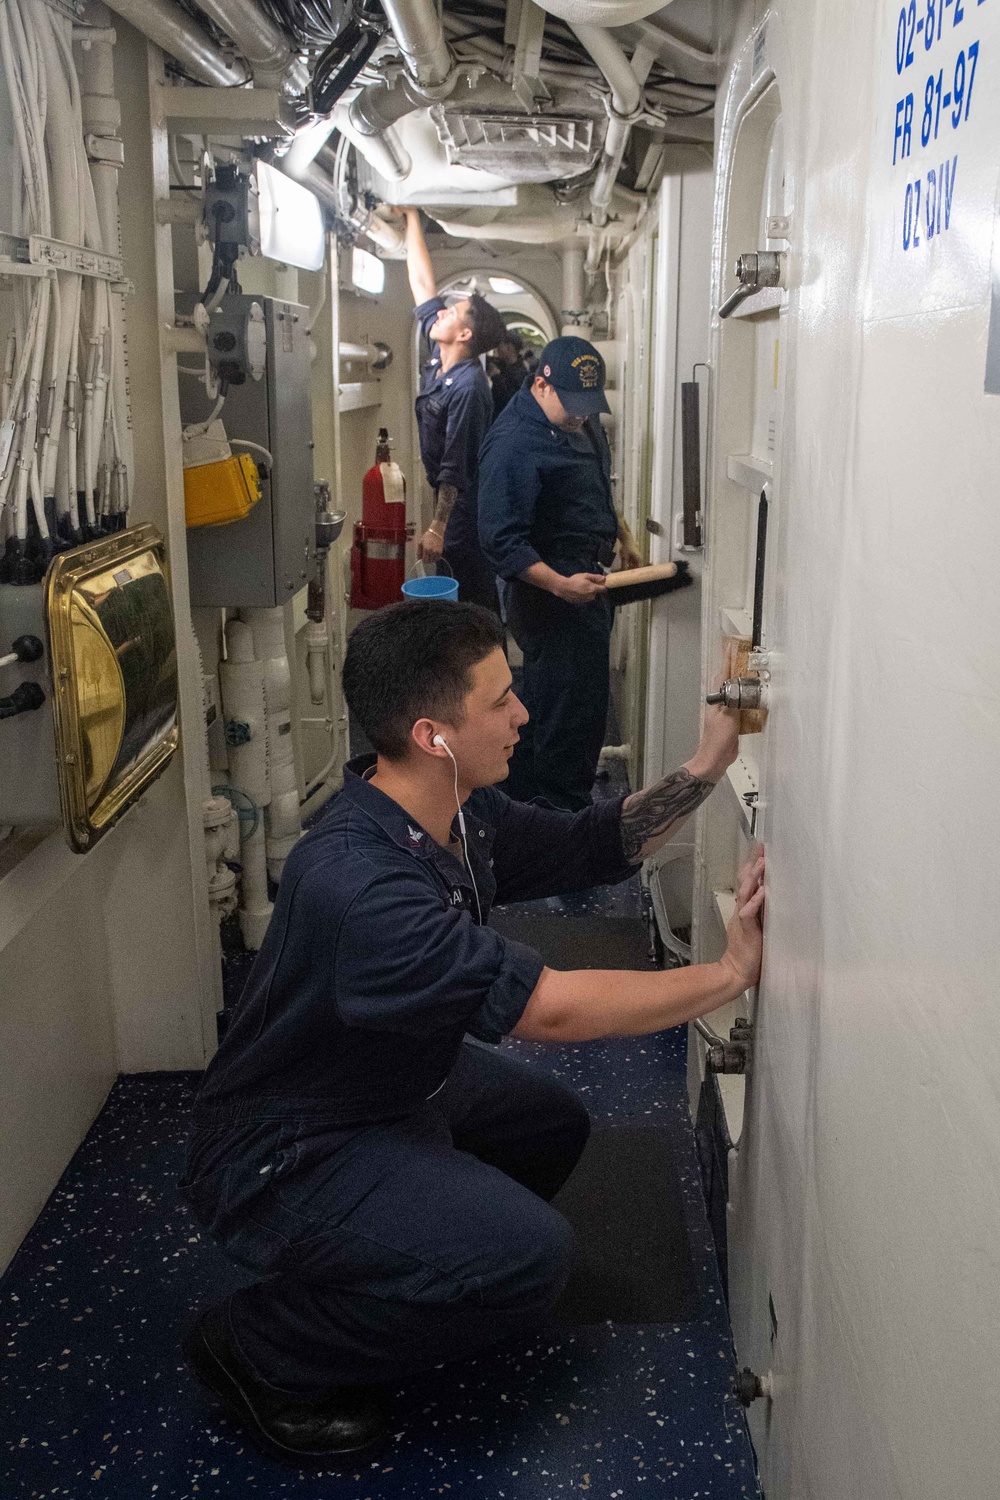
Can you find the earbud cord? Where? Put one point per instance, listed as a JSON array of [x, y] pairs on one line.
[[461, 827]]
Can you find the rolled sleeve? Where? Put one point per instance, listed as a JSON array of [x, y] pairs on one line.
[[521, 968], [425, 313], [405, 961]]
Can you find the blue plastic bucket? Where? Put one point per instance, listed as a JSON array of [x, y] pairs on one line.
[[431, 588]]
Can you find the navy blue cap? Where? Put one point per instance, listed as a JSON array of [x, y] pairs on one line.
[[576, 370]]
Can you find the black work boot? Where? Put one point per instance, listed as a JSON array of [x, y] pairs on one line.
[[338, 1424]]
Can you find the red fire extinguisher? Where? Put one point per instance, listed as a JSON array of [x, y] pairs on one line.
[[378, 557]]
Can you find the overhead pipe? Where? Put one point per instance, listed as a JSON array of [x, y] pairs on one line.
[[171, 28], [388, 158], [540, 230], [419, 33], [575, 315], [261, 43], [679, 56], [626, 101], [417, 28], [601, 12]]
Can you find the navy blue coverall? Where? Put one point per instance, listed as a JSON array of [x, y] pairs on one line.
[[383, 1178], [545, 496], [454, 409]]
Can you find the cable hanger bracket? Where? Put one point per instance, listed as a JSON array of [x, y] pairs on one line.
[[38, 255]]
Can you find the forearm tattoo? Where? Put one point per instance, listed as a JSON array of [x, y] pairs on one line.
[[645, 815], [447, 494]]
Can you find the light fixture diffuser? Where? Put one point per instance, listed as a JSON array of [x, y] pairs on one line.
[[291, 220], [367, 272]]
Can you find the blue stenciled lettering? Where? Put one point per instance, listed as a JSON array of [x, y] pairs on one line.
[[902, 143], [949, 169], [909, 228], [929, 197]]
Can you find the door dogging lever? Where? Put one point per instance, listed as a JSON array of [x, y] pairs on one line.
[[754, 271], [740, 692], [749, 1387]]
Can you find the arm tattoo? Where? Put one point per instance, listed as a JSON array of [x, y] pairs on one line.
[[447, 494], [646, 815]]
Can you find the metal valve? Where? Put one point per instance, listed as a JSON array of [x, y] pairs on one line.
[[754, 270], [739, 692]]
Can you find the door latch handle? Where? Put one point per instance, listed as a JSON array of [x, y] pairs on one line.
[[754, 271], [740, 692]]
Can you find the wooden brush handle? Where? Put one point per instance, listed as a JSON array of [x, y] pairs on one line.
[[648, 574]]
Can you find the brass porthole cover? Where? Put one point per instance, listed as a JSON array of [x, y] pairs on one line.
[[113, 655]]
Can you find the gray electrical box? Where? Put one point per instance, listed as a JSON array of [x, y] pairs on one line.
[[263, 560]]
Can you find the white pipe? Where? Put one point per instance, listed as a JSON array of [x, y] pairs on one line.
[[316, 659], [575, 316], [255, 908], [601, 12], [173, 30], [261, 43], [388, 234], [626, 97], [367, 353], [416, 26], [306, 146], [281, 817], [543, 230], [241, 679], [366, 122], [381, 150]]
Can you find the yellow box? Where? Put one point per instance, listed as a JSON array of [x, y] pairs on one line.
[[215, 494]]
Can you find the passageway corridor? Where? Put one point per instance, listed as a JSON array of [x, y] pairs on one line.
[[97, 1399]]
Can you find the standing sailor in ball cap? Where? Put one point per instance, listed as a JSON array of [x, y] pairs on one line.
[[548, 527]]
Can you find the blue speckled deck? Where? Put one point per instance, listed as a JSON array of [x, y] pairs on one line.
[[96, 1399]]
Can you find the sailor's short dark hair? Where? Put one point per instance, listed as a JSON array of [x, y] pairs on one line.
[[488, 327], [414, 660]]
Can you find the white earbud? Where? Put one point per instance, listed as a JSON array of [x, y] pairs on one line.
[[440, 740]]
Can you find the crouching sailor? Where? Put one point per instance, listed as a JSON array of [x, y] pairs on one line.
[[385, 1180]]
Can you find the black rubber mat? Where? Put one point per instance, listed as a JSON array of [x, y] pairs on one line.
[[624, 1198], [624, 1203], [580, 942]]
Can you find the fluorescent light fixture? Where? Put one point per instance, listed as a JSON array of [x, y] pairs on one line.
[[504, 287], [291, 220], [367, 272]]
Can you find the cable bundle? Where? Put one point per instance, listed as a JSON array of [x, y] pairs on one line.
[[473, 24], [308, 23], [65, 432]]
